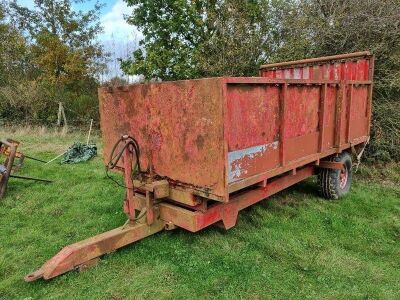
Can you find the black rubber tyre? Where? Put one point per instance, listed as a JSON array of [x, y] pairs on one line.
[[334, 184]]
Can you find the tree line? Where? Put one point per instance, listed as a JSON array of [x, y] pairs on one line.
[[52, 50], [48, 54]]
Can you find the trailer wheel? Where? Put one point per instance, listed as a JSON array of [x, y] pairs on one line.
[[334, 184]]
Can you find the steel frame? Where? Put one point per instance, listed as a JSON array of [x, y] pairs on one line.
[[317, 60], [146, 217]]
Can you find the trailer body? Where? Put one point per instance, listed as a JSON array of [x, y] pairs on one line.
[[215, 136]]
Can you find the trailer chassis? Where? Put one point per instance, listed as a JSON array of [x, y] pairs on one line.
[[150, 211]]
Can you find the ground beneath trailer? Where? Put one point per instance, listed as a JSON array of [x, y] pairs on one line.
[[294, 245]]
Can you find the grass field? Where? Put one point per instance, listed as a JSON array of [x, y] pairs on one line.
[[293, 245]]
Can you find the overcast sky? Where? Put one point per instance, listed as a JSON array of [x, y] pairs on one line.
[[118, 38]]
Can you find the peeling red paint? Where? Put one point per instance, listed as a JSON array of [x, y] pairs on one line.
[[178, 126], [188, 129]]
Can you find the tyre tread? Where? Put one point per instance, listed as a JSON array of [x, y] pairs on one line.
[[328, 179]]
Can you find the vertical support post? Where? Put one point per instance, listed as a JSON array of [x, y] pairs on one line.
[[129, 206], [338, 112], [369, 99], [349, 104], [149, 207], [368, 112], [322, 105], [282, 117]]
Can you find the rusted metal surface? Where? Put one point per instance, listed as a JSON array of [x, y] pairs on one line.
[[73, 256], [311, 120], [168, 216], [331, 165], [312, 107], [178, 125], [227, 212], [243, 127], [316, 61]]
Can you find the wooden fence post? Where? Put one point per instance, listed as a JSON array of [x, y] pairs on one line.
[[61, 113], [90, 131]]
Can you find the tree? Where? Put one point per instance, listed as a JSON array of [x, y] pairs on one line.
[[188, 39], [238, 42], [14, 66], [52, 56], [172, 31], [63, 40], [13, 50]]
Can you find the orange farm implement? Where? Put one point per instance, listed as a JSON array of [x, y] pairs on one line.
[[196, 152], [13, 162]]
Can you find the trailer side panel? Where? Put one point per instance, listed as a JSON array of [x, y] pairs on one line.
[[271, 125], [178, 125]]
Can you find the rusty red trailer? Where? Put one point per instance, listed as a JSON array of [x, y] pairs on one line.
[[196, 152], [216, 136]]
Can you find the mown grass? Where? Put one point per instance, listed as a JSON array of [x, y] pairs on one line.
[[294, 245]]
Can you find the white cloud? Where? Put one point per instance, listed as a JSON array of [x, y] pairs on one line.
[[119, 38], [115, 25]]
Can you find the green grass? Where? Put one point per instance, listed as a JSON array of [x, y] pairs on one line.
[[293, 245]]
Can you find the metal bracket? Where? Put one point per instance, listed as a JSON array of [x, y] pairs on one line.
[[358, 155], [331, 165], [160, 188]]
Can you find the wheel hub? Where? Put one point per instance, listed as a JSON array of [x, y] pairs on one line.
[[343, 178]]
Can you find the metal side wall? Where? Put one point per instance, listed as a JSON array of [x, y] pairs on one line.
[[178, 125], [274, 126]]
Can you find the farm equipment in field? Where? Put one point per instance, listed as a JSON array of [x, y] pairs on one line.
[[5, 149], [195, 152], [13, 162]]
